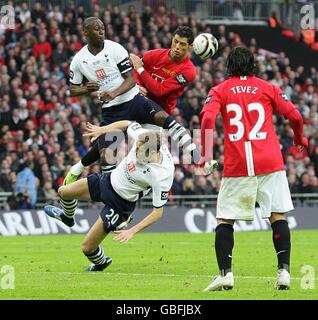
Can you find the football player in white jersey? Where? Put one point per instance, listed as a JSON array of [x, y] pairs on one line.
[[106, 66], [148, 166]]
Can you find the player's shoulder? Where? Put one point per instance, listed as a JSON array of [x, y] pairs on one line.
[[265, 86], [157, 52], [220, 87], [189, 67], [80, 54], [113, 46]]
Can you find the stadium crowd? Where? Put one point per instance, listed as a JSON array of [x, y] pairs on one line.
[[42, 126]]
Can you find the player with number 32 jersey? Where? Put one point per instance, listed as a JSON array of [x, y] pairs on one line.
[[250, 142], [253, 163]]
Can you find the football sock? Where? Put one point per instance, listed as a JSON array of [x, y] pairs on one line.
[[97, 257], [281, 240], [176, 132], [224, 243], [68, 207], [77, 169], [91, 156]]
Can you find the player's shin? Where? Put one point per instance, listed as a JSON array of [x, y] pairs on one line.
[[224, 243], [281, 240], [178, 132], [69, 207]]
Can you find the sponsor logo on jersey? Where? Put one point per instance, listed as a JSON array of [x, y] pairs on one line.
[[131, 167], [164, 195], [170, 73], [181, 79], [100, 73], [284, 96]]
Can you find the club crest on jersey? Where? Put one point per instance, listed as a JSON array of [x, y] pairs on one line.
[[100, 73], [164, 195], [181, 79], [131, 167], [284, 96]]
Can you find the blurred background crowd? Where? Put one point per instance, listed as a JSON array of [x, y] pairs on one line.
[[41, 126]]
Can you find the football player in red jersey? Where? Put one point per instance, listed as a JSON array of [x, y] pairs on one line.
[[253, 162], [163, 74]]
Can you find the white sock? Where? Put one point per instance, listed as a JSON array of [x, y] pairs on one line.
[[78, 168]]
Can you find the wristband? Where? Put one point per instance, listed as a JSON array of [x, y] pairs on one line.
[[140, 70]]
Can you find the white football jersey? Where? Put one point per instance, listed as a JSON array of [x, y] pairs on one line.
[[133, 179], [106, 68]]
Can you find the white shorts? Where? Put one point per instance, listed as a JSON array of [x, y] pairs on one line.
[[237, 196]]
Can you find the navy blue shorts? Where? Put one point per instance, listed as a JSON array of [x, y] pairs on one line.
[[116, 210], [138, 109]]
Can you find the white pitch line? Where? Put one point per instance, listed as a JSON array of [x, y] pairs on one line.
[[149, 274]]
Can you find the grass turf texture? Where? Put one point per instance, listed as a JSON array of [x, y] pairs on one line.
[[153, 266]]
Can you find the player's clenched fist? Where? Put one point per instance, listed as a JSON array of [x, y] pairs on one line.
[[302, 143], [92, 86]]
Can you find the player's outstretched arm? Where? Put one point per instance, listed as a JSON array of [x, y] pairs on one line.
[[126, 235], [94, 131], [79, 90]]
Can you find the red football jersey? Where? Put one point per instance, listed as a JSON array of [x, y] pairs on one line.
[[251, 146], [164, 79]]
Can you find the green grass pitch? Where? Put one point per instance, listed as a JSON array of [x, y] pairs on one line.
[[164, 266]]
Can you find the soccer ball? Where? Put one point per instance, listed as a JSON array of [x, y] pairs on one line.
[[205, 45]]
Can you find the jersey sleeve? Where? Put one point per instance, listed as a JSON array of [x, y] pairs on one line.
[[158, 89], [148, 57], [281, 103], [160, 193], [76, 77], [138, 79], [134, 130], [284, 107], [210, 110], [122, 59]]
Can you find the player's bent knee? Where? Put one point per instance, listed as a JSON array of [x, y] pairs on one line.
[[64, 193], [276, 216], [228, 221], [160, 118]]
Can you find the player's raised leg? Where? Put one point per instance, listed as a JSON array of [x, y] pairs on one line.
[[92, 249], [224, 243], [282, 244], [77, 169], [152, 113], [69, 195]]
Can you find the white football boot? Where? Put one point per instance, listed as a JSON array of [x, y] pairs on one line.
[[283, 280], [221, 283]]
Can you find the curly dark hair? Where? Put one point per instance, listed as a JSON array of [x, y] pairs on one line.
[[185, 32], [240, 62]]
